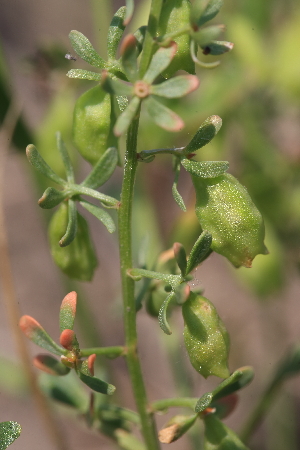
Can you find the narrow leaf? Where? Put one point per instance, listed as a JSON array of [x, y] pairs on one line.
[[52, 197], [85, 50], [68, 311], [115, 32], [128, 441], [173, 280], [177, 197], [204, 402], [140, 37], [129, 11], [205, 35], [201, 249], [238, 380], [65, 157], [116, 86], [208, 12], [163, 116], [50, 365], [217, 48], [162, 315], [219, 436], [9, 432], [175, 428], [125, 119], [129, 57], [105, 199], [206, 132], [160, 61], [176, 87], [41, 166], [71, 231], [84, 75], [101, 215], [34, 331], [205, 169], [180, 256], [103, 170], [96, 384]]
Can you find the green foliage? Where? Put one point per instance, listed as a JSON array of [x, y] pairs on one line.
[[9, 432]]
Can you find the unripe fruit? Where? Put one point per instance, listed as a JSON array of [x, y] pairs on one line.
[[77, 260], [226, 210], [175, 14], [205, 337], [91, 123]]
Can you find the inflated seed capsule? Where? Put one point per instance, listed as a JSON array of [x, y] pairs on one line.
[[175, 15], [77, 260], [91, 123], [226, 210], [205, 337]]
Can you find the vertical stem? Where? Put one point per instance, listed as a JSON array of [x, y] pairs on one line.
[[125, 214]]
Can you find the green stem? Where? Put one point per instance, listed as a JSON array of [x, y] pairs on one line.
[[125, 244], [182, 402], [109, 352]]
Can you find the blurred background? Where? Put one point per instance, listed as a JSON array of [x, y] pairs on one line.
[[256, 91]]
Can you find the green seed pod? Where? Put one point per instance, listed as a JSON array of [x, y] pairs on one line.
[[175, 15], [226, 210], [91, 123], [77, 260], [205, 337]]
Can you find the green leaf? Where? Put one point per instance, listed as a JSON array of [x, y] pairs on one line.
[[36, 333], [129, 57], [162, 315], [125, 119], [9, 432], [200, 251], [71, 230], [115, 32], [128, 441], [103, 169], [129, 11], [175, 428], [96, 384], [220, 437], [139, 34], [160, 61], [41, 166], [65, 157], [205, 169], [84, 74], [177, 197], [85, 50], [52, 197], [204, 402], [173, 280], [51, 365], [176, 87], [163, 116], [217, 47], [180, 256], [101, 215], [238, 380], [105, 199], [203, 11], [204, 36], [68, 311], [67, 390], [116, 87], [206, 132]]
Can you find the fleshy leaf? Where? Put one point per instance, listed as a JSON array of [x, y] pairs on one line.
[[239, 379], [65, 157], [41, 166], [126, 117], [217, 48], [180, 256], [52, 197], [85, 50], [173, 280], [68, 311], [71, 230], [205, 35], [9, 432], [205, 169], [177, 197], [175, 428], [101, 215], [200, 251], [162, 315], [160, 61], [220, 437], [51, 365], [36, 333], [129, 11], [140, 36], [84, 75], [115, 32], [69, 340], [206, 132], [176, 87], [163, 116], [116, 86], [128, 51], [204, 402], [92, 382], [202, 11], [103, 170]]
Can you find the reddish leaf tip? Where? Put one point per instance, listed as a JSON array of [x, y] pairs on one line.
[[129, 42], [67, 338], [70, 301], [194, 82], [39, 363], [91, 361], [28, 325]]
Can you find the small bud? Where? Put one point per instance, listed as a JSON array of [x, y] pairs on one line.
[[175, 428]]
